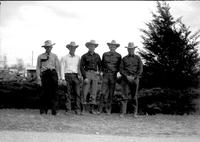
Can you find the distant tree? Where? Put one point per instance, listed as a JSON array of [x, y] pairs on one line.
[[5, 62], [170, 52], [20, 64]]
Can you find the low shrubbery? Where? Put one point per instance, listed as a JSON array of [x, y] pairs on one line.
[[25, 94], [169, 101]]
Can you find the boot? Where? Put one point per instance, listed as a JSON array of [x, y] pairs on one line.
[[135, 113], [92, 108], [108, 109], [100, 108], [83, 109], [124, 107]]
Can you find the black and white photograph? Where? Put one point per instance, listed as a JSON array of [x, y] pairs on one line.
[[99, 71]]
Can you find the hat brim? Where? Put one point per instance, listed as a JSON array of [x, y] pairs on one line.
[[117, 45], [48, 45], [89, 43], [131, 47], [67, 46]]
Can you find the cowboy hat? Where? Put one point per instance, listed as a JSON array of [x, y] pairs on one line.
[[113, 42], [72, 44], [131, 45], [48, 43], [91, 42]]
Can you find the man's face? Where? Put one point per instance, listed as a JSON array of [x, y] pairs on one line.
[[48, 49], [131, 51], [112, 48], [91, 47], [72, 49]]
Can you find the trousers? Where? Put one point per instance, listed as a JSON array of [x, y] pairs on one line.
[[73, 90], [90, 86], [108, 88], [49, 98], [132, 89]]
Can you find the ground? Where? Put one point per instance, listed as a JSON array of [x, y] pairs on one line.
[[29, 120]]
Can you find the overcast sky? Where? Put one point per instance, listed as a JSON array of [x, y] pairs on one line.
[[24, 26]]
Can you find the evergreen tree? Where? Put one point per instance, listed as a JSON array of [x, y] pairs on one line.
[[170, 51]]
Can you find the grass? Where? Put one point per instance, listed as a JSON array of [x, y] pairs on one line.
[[155, 125]]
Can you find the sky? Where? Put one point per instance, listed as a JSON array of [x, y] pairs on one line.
[[25, 25]]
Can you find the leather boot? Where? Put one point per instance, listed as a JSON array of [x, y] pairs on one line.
[[84, 109], [124, 107], [93, 111]]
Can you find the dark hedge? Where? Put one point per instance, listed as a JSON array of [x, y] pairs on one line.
[[26, 94]]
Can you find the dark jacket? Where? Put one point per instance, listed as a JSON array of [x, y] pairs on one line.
[[90, 62]]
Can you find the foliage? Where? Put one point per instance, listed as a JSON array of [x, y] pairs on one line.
[[170, 52], [169, 101], [26, 94]]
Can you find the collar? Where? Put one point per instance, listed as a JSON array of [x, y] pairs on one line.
[[131, 55], [90, 53], [111, 53], [71, 55]]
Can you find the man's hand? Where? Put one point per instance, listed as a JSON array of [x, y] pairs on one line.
[[86, 80], [118, 75], [130, 78], [80, 77], [97, 72], [39, 82], [101, 73], [59, 82]]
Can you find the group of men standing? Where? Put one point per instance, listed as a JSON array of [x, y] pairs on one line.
[[72, 69]]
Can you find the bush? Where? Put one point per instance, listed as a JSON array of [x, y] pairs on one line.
[[26, 94], [169, 101]]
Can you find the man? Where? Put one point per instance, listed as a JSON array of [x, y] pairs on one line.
[[110, 67], [131, 68], [70, 71], [47, 77], [90, 68]]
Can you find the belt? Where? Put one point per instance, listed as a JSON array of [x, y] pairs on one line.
[[71, 73], [49, 70], [90, 71], [109, 71]]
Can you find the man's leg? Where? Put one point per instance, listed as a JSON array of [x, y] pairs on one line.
[[44, 103], [112, 80], [95, 80], [125, 89], [105, 93], [68, 91], [86, 88], [76, 90], [134, 96], [53, 87]]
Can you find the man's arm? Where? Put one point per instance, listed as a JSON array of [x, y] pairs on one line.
[[99, 64], [57, 67], [62, 66], [38, 72], [118, 63], [82, 64], [79, 70], [140, 67], [121, 69], [103, 62]]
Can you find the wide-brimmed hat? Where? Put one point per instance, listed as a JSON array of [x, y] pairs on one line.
[[48, 43], [72, 44], [91, 42], [113, 42], [131, 45]]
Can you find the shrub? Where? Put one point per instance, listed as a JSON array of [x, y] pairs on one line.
[[26, 94]]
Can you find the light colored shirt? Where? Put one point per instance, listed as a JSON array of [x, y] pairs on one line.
[[45, 61], [69, 64]]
